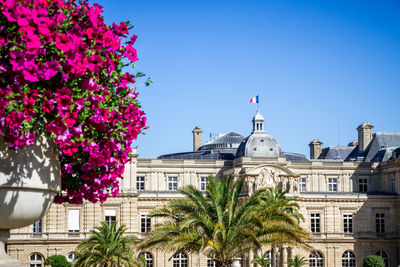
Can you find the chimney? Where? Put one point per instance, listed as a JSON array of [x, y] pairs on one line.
[[315, 148], [364, 135], [196, 138]]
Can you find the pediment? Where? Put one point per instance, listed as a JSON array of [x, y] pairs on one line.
[[269, 168]]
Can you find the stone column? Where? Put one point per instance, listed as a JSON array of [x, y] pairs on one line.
[[283, 257], [250, 258], [273, 257]]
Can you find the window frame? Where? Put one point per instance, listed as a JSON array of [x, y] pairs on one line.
[[203, 183], [145, 223], [380, 223], [348, 223], [315, 222], [332, 184], [349, 259], [140, 183], [37, 227], [363, 185], [179, 261], [173, 183], [302, 185], [316, 259]]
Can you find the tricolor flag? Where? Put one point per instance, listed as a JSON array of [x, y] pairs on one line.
[[254, 99]]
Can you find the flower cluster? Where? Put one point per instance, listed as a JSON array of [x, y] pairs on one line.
[[61, 74]]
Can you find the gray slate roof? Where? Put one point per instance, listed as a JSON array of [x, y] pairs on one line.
[[383, 146], [229, 140]]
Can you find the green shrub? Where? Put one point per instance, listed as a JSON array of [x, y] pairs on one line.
[[57, 261], [373, 261]]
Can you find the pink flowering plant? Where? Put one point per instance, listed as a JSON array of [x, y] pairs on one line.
[[61, 75]]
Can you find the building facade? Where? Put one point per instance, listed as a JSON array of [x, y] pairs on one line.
[[348, 195]]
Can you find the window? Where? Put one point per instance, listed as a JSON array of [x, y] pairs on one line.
[[73, 220], [172, 183], [384, 257], [363, 185], [140, 183], [36, 227], [348, 259], [110, 216], [211, 263], [148, 257], [268, 255], [392, 189], [145, 223], [332, 184], [179, 260], [203, 183], [35, 260], [380, 222], [302, 184], [70, 257], [315, 227], [316, 259], [348, 223]]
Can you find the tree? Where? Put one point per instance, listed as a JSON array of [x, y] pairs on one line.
[[261, 260], [221, 223], [373, 261], [297, 261], [107, 246], [57, 261]]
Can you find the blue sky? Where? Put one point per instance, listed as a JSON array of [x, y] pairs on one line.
[[320, 68]]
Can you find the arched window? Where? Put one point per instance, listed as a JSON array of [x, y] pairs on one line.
[[70, 257], [384, 256], [180, 260], [148, 257], [316, 259], [348, 259], [36, 260]]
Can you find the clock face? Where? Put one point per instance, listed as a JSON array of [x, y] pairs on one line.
[[270, 181]]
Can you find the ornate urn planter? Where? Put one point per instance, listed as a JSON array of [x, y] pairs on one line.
[[29, 179]]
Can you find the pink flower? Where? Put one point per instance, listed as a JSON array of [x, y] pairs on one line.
[[22, 15], [131, 53], [91, 33], [32, 40], [64, 42], [9, 10], [50, 70], [30, 71]]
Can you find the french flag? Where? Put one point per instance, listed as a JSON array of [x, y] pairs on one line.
[[254, 99]]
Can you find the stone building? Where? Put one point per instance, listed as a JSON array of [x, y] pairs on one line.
[[347, 194]]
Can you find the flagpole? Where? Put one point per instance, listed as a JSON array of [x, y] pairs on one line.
[[258, 104]]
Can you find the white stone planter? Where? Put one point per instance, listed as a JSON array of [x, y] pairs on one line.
[[29, 179]]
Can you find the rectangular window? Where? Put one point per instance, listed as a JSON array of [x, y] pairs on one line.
[[140, 183], [392, 189], [348, 223], [172, 183], [145, 223], [363, 185], [302, 185], [203, 183], [110, 216], [332, 184], [380, 222], [315, 223], [73, 220], [36, 227]]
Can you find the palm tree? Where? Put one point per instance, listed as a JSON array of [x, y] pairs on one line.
[[221, 223], [107, 246], [262, 260], [297, 261]]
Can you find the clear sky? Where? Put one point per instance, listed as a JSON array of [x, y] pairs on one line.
[[320, 68]]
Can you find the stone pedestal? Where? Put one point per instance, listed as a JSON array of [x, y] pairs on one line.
[[5, 260]]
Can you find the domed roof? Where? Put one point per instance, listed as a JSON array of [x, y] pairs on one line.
[[229, 140], [259, 143], [258, 116]]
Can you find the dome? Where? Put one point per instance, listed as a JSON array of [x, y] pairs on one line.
[[228, 141], [259, 143]]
